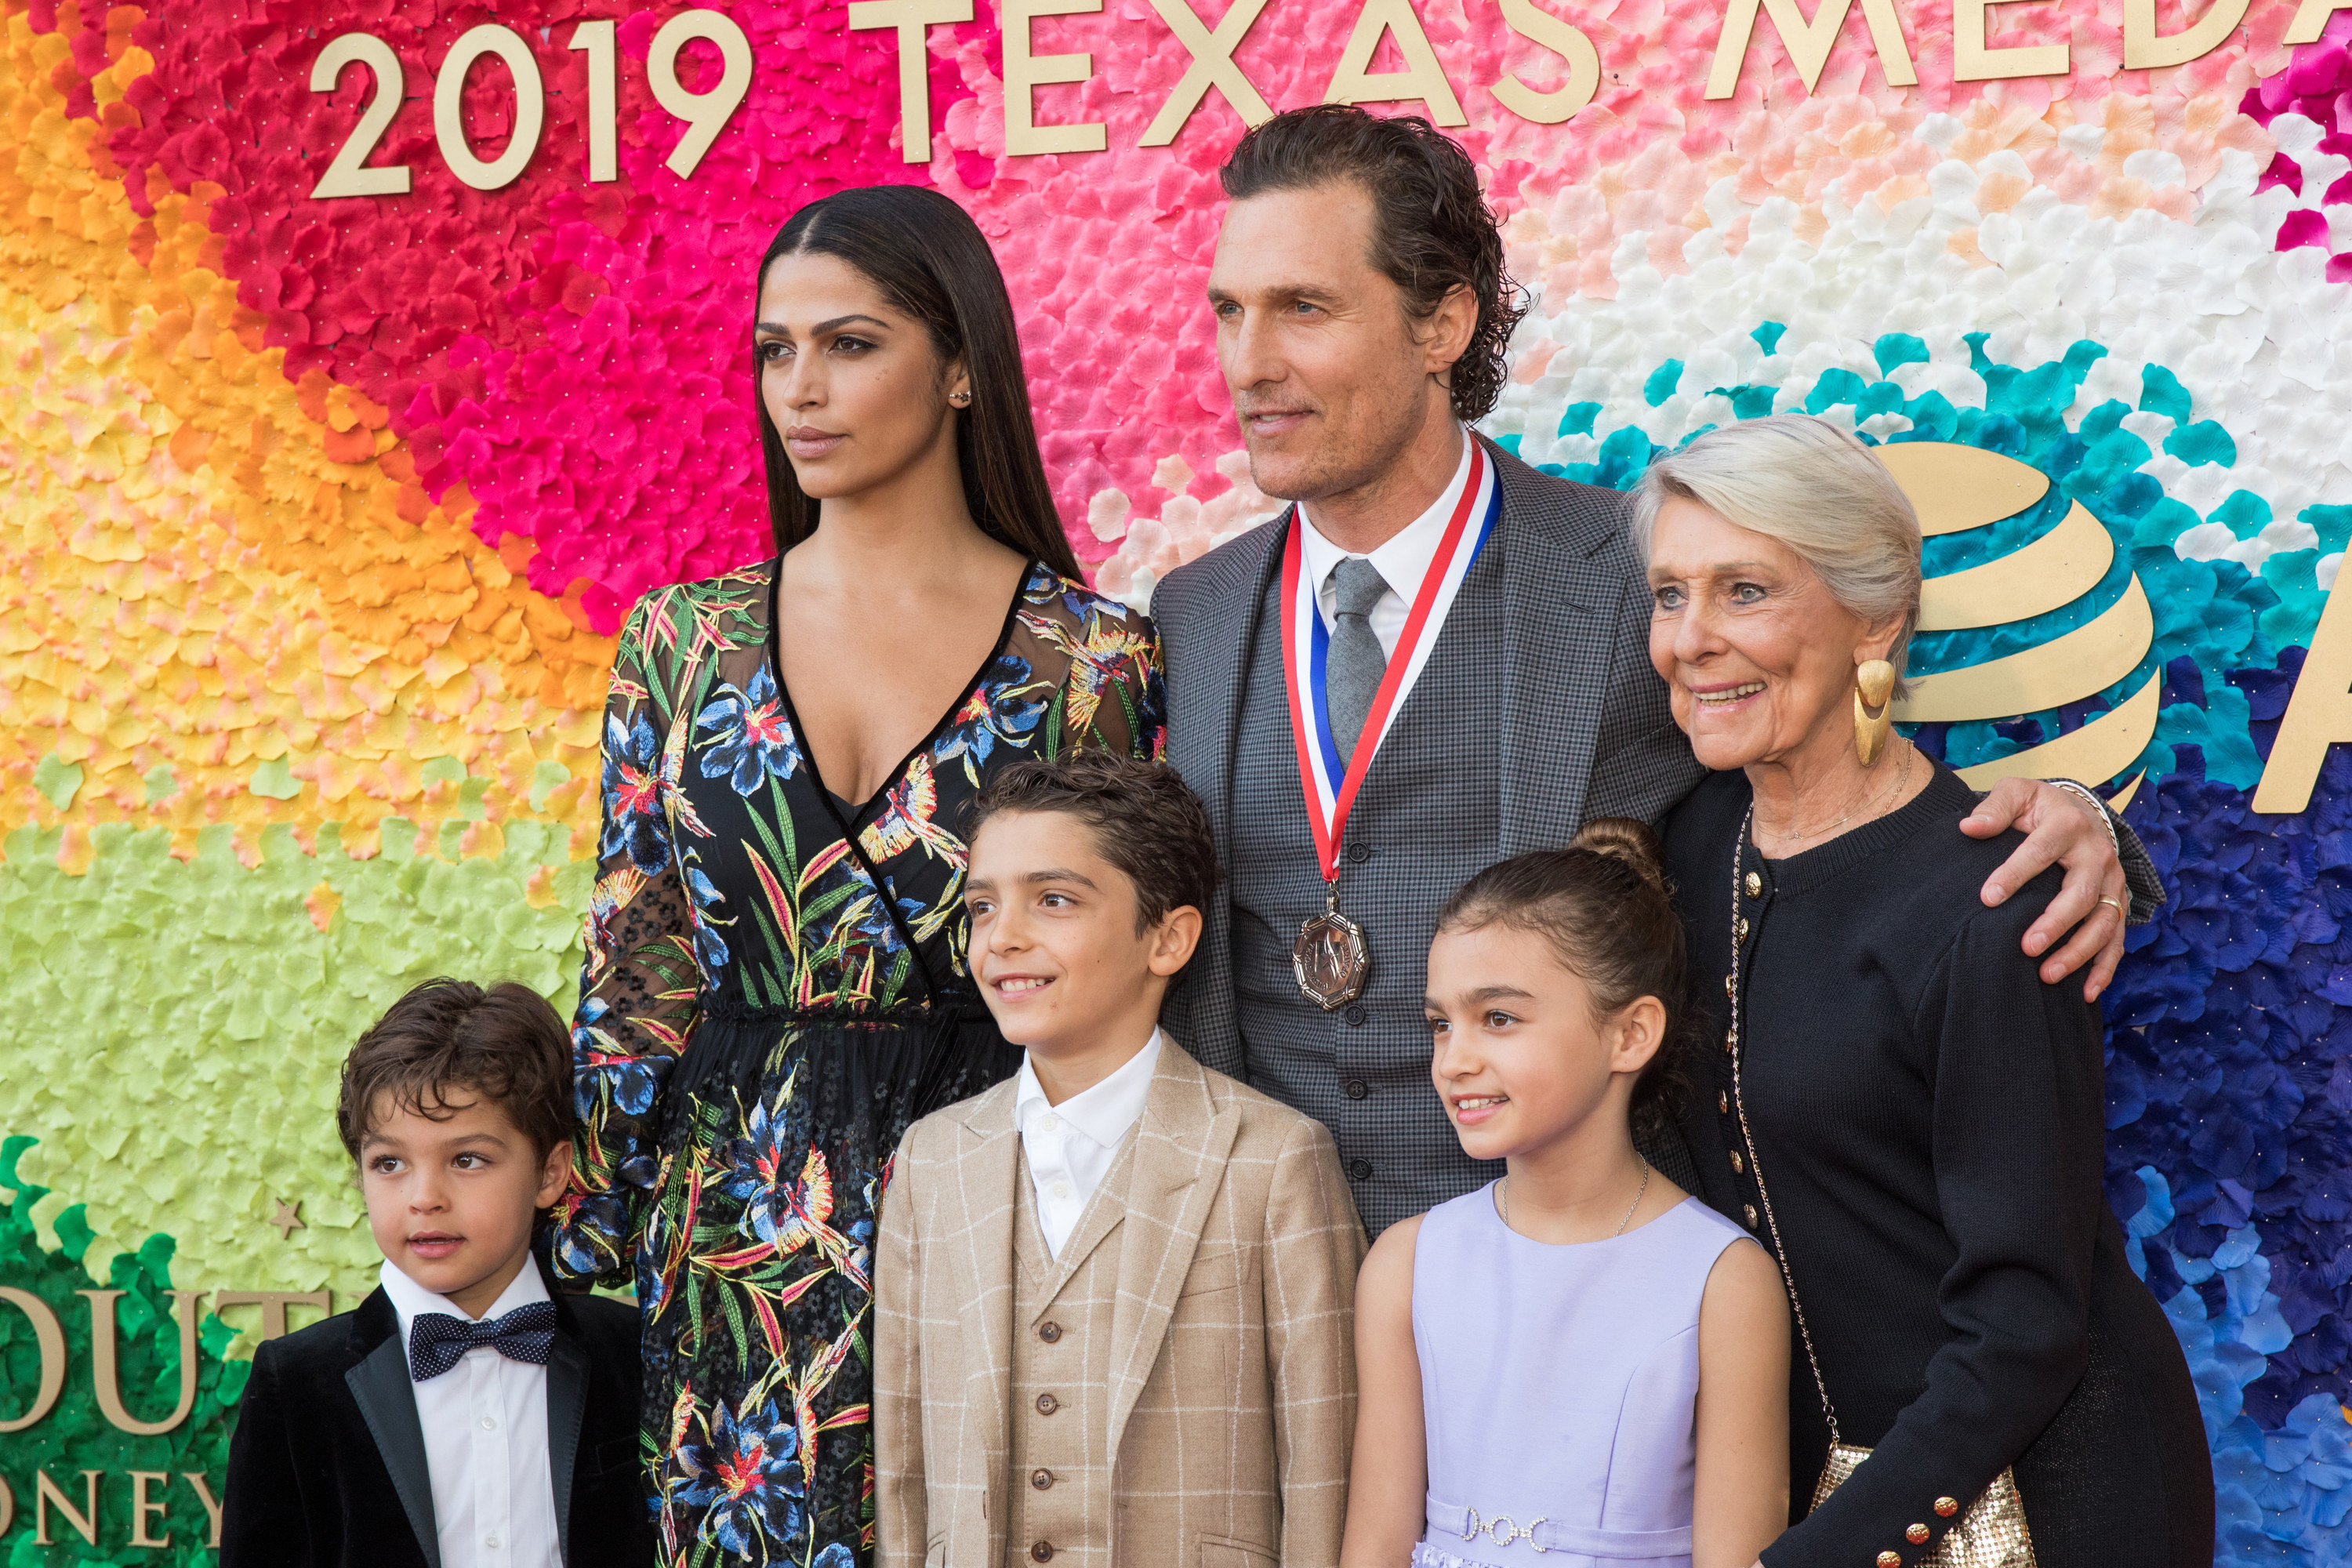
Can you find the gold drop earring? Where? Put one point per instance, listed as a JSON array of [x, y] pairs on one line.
[[1874, 684]]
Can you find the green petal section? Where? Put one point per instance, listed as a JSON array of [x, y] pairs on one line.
[[178, 1029], [75, 1437]]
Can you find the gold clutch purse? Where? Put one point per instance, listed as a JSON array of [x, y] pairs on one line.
[[1990, 1532]]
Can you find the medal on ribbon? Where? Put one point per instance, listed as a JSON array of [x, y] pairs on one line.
[[1332, 958]]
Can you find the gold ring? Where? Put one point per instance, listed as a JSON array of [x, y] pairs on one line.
[[2120, 913]]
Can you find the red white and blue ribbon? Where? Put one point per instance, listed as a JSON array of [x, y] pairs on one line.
[[1330, 789]]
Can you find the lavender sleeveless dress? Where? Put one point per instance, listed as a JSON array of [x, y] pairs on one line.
[[1558, 1385]]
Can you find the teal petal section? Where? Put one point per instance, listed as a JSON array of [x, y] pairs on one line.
[[2160, 392], [2203, 442], [1897, 349]]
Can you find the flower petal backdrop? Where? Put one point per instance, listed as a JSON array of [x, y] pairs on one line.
[[320, 515]]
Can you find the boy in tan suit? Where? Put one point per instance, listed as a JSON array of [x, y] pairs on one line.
[[1113, 1296]]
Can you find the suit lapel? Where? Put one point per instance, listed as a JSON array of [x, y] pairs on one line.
[[1212, 707], [986, 1170], [387, 1401], [1556, 595], [567, 1408], [1176, 1171]]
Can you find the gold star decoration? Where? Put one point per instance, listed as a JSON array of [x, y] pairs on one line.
[[287, 1219]]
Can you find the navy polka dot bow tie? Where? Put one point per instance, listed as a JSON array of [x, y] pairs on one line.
[[436, 1341]]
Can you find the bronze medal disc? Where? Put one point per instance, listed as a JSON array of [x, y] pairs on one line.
[[1331, 960]]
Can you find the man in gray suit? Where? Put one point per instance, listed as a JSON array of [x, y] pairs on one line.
[[1476, 630]]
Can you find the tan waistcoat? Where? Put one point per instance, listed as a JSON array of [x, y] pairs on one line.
[[1059, 1462]]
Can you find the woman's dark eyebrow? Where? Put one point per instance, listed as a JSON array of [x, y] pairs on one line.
[[780, 329]]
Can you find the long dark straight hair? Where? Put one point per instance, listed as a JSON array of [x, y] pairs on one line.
[[931, 262]]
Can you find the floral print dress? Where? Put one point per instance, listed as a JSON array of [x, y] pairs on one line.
[[776, 988]]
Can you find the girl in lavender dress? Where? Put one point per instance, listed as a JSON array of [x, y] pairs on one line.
[[1580, 1365]]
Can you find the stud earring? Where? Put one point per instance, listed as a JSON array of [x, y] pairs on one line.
[[1873, 683], [961, 399]]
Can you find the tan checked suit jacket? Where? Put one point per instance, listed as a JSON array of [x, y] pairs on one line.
[[1237, 1232]]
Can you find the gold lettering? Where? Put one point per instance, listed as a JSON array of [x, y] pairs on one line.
[[2311, 20], [50, 1336], [1809, 43], [212, 1509], [1972, 61], [1026, 72], [273, 1306], [1423, 79], [2318, 713], [141, 1506], [1213, 66], [2145, 47], [913, 19], [83, 1521], [104, 1378], [1539, 26]]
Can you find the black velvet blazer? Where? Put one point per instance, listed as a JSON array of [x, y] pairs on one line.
[[327, 1466]]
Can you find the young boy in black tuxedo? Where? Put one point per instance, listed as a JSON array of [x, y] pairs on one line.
[[466, 1415]]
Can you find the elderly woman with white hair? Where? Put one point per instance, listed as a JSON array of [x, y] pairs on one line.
[[1894, 1103]]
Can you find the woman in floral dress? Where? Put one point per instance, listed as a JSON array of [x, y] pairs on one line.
[[775, 984]]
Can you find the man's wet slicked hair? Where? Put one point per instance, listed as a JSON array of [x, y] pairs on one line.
[[1431, 229]]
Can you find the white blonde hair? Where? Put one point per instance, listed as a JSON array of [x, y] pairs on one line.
[[1815, 488]]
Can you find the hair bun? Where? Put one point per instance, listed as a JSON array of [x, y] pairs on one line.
[[1628, 839]]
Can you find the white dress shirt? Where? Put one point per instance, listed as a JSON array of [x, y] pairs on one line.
[[1070, 1146], [485, 1424], [1402, 562]]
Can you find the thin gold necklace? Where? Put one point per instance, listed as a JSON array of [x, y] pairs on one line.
[[1902, 777], [1503, 1198]]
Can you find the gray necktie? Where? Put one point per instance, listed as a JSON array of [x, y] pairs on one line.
[[1352, 670]]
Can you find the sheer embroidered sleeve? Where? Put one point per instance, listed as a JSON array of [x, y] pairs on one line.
[[1111, 696], [638, 984]]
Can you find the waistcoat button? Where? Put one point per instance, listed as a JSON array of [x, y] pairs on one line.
[[1361, 1169], [1360, 853], [1046, 1406], [1042, 1551], [1355, 1014], [1946, 1507], [1755, 885], [1049, 1332], [1916, 1535], [1358, 1089], [1041, 1479]]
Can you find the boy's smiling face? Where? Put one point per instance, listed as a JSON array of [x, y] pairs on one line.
[[451, 1197], [1063, 960]]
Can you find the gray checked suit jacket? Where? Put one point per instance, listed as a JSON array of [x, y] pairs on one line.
[[1584, 730]]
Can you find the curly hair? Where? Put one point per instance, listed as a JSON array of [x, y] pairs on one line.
[[1432, 230], [503, 1044]]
